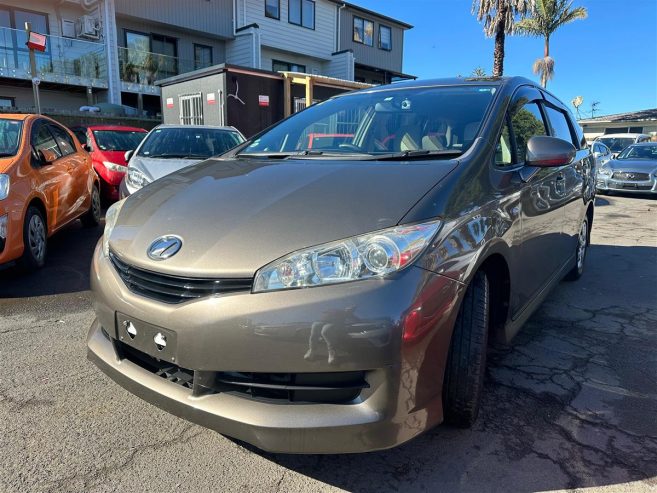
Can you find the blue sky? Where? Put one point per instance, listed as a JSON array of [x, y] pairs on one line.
[[610, 57]]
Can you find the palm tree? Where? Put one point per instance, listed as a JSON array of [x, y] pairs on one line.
[[478, 72], [548, 16], [499, 18]]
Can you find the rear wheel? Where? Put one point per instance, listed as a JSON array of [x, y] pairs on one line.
[[35, 240], [466, 363], [91, 218], [580, 252]]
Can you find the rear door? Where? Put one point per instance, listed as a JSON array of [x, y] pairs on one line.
[[541, 199], [53, 177], [77, 167]]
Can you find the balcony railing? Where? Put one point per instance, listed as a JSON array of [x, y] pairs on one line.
[[145, 68], [66, 60]]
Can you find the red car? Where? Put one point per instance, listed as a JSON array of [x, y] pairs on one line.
[[107, 145]]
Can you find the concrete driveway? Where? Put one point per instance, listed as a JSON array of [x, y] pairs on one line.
[[571, 404]]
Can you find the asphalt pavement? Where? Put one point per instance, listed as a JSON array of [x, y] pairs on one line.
[[570, 404]]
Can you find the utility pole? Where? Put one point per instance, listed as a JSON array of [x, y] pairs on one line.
[[33, 70]]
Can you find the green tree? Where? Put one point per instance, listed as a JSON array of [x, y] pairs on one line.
[[546, 18], [478, 72], [499, 18]]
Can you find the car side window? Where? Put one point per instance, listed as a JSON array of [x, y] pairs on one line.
[[64, 140], [503, 149], [526, 122], [42, 139], [558, 124]]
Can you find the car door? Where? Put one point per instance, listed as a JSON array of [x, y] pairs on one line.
[[577, 181], [76, 162], [542, 197], [52, 177]]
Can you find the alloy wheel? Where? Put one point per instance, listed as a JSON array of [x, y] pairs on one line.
[[36, 237], [582, 243]]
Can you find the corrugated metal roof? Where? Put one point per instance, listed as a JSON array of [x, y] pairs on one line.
[[633, 116]]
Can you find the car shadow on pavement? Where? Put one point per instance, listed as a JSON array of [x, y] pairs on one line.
[[66, 270], [570, 403]]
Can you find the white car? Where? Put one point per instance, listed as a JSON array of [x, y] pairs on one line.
[[168, 148], [618, 142]]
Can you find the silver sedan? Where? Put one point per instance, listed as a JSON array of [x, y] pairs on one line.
[[634, 170]]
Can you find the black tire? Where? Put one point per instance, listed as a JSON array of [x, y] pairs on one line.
[[466, 363], [580, 251], [35, 240], [91, 218]]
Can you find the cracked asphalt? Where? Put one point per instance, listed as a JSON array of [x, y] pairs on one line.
[[570, 404]]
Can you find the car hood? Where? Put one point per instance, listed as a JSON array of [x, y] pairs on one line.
[[639, 165], [234, 216], [117, 157], [154, 168]]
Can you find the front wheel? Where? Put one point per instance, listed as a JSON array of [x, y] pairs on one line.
[[91, 218], [580, 252], [466, 363]]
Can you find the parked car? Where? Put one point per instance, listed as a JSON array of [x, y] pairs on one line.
[[617, 142], [601, 153], [387, 261], [321, 141], [634, 170], [168, 148], [107, 145], [46, 181]]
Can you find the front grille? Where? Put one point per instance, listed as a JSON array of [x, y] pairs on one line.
[[174, 289], [630, 176], [297, 388]]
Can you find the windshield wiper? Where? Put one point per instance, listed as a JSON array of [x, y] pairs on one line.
[[175, 156], [419, 153]]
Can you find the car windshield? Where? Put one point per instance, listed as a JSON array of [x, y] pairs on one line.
[[616, 144], [10, 137], [188, 143], [441, 121], [640, 152], [118, 140]]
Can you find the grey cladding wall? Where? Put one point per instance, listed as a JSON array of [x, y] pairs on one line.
[[372, 56], [214, 17]]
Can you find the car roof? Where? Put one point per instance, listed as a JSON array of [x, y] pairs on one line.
[[113, 127], [16, 116], [454, 81], [216, 127]]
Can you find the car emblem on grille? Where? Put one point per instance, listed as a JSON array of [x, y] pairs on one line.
[[164, 247], [630, 176]]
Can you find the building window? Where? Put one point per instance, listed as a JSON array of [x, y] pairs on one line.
[[363, 31], [278, 66], [273, 9], [7, 102], [202, 56], [385, 38], [302, 13]]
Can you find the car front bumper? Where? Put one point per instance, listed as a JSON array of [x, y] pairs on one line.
[[272, 333], [608, 184]]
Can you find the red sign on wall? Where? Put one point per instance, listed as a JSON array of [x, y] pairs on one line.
[[263, 101], [36, 42]]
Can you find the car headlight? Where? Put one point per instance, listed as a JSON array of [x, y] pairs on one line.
[[604, 171], [4, 186], [360, 257], [114, 166], [136, 178], [111, 216]]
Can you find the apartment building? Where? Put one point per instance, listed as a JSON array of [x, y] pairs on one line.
[[113, 51]]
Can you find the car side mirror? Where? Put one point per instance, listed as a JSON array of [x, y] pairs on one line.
[[47, 156], [128, 155], [548, 152]]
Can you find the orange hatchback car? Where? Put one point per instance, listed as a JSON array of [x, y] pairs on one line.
[[46, 181]]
